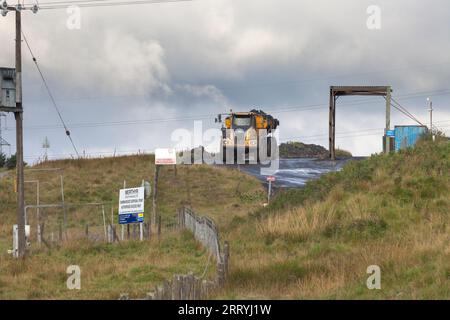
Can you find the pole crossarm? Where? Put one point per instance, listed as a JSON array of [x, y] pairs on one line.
[[5, 8]]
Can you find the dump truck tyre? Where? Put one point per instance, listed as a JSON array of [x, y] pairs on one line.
[[224, 155]]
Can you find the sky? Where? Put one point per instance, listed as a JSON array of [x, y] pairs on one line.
[[131, 76]]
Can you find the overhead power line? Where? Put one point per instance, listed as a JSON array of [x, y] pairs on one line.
[[398, 106], [303, 108], [50, 95], [341, 135]]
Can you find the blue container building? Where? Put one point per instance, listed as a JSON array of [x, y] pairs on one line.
[[407, 136]]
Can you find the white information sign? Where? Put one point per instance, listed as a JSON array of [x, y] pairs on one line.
[[131, 205]]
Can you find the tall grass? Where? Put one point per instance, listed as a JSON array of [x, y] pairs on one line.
[[390, 210], [130, 267]]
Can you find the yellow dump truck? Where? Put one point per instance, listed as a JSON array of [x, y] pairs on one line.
[[246, 131]]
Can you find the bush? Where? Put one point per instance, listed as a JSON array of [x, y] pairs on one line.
[[11, 162]]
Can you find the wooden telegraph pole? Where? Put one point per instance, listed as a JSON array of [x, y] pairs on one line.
[[18, 114], [19, 236]]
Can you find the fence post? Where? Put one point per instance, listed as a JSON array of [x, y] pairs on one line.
[[86, 230], [39, 234], [204, 286], [188, 284], [114, 237], [175, 288], [134, 231], [220, 274], [183, 287], [60, 231], [226, 256], [159, 293], [167, 294], [197, 288], [110, 234], [149, 230], [159, 226], [180, 218]]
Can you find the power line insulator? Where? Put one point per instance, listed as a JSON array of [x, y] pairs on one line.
[[35, 8], [4, 5]]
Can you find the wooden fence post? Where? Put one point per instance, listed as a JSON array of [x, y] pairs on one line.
[[197, 288], [159, 226], [39, 234], [183, 295], [167, 294], [134, 231], [188, 286], [110, 234], [204, 286], [115, 237], [86, 231], [60, 233], [226, 256], [220, 274], [180, 225], [176, 288]]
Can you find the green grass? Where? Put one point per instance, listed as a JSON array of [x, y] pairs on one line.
[[130, 267], [316, 242]]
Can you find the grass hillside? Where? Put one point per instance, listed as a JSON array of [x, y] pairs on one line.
[[131, 267], [317, 242]]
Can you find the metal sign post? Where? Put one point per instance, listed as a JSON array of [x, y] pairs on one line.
[[163, 157], [270, 179]]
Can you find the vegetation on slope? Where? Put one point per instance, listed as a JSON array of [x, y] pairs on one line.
[[129, 267], [295, 149], [317, 242]]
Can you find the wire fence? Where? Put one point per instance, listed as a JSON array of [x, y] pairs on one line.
[[203, 228], [189, 286], [53, 224]]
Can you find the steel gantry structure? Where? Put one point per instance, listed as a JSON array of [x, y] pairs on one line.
[[338, 91]]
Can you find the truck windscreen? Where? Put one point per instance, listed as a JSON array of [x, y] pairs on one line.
[[242, 122]]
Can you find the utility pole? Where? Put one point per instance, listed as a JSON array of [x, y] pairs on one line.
[[18, 114], [430, 109], [388, 119]]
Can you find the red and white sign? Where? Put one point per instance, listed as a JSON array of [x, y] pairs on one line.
[[165, 157], [271, 178]]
